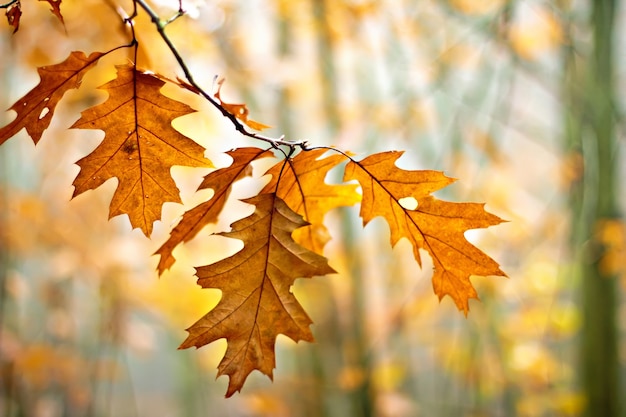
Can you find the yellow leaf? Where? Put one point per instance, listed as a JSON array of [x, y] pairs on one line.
[[301, 184]]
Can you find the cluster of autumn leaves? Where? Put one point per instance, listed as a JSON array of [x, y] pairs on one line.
[[283, 238]]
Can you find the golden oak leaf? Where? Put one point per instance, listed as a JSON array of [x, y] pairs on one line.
[[240, 111], [194, 220], [35, 109], [301, 185], [56, 9], [257, 304], [139, 148], [13, 14], [435, 226]]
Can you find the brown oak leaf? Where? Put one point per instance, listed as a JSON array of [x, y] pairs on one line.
[[435, 226], [36, 108], [13, 14], [301, 185], [194, 220], [257, 303], [139, 148]]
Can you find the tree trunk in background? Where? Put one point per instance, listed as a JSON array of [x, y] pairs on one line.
[[590, 128], [354, 337], [9, 400]]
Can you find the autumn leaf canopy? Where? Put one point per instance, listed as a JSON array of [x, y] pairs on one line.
[[285, 237]]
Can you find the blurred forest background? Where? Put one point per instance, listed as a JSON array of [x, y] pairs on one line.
[[521, 100]]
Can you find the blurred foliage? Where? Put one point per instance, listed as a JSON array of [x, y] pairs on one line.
[[472, 87]]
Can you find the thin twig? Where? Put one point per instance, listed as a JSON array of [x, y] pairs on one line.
[[160, 26], [9, 4], [178, 14]]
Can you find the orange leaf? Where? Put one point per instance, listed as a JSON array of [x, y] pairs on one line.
[[35, 109], [240, 111], [13, 14], [139, 148], [435, 226], [301, 185], [206, 213], [257, 304]]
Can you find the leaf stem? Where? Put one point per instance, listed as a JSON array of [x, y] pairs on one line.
[[330, 148], [160, 26]]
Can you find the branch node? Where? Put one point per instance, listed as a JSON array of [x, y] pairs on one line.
[[176, 16]]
